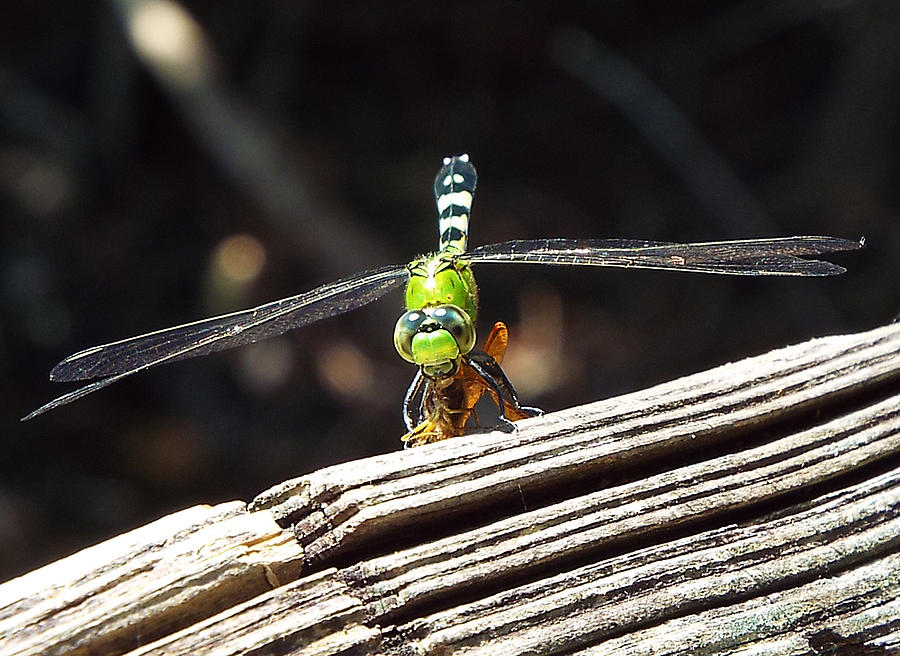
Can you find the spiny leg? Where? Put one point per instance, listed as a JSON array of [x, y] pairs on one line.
[[488, 369], [442, 414], [415, 389]]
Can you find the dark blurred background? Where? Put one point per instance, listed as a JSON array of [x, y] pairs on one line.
[[158, 167]]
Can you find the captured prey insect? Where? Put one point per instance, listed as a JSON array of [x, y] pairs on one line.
[[446, 408], [437, 331]]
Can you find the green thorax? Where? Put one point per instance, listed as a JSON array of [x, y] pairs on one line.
[[440, 279]]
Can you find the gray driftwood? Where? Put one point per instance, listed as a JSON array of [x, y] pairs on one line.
[[750, 509]]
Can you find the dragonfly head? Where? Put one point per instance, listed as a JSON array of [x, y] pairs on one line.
[[435, 338]]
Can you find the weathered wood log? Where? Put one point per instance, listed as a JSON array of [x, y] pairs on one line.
[[752, 508]]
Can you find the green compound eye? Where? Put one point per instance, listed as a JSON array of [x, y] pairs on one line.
[[457, 322], [406, 328]]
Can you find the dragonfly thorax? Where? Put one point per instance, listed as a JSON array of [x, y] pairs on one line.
[[441, 279]]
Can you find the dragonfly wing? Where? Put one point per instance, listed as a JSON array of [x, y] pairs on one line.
[[119, 359], [77, 394], [748, 257]]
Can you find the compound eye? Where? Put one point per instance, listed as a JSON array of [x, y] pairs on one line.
[[457, 322], [406, 328]]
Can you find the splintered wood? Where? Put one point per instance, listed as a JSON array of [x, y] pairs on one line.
[[752, 508]]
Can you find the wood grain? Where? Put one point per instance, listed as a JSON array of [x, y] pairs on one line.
[[751, 508]]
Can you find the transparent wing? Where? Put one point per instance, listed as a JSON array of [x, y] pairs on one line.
[[746, 257], [114, 361]]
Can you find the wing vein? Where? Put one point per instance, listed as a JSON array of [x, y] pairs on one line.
[[748, 257]]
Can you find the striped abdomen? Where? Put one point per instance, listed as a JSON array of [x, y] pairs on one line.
[[454, 188]]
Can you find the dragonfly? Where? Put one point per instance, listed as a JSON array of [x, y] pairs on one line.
[[437, 331]]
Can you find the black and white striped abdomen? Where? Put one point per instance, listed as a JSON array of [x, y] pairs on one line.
[[454, 188]]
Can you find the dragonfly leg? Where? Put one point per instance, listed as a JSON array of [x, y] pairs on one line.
[[413, 417], [487, 367], [440, 413]]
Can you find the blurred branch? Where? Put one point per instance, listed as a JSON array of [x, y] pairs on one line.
[[851, 148], [741, 27], [665, 127], [678, 142], [252, 153]]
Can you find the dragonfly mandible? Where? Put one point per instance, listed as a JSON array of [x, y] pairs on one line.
[[437, 331]]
